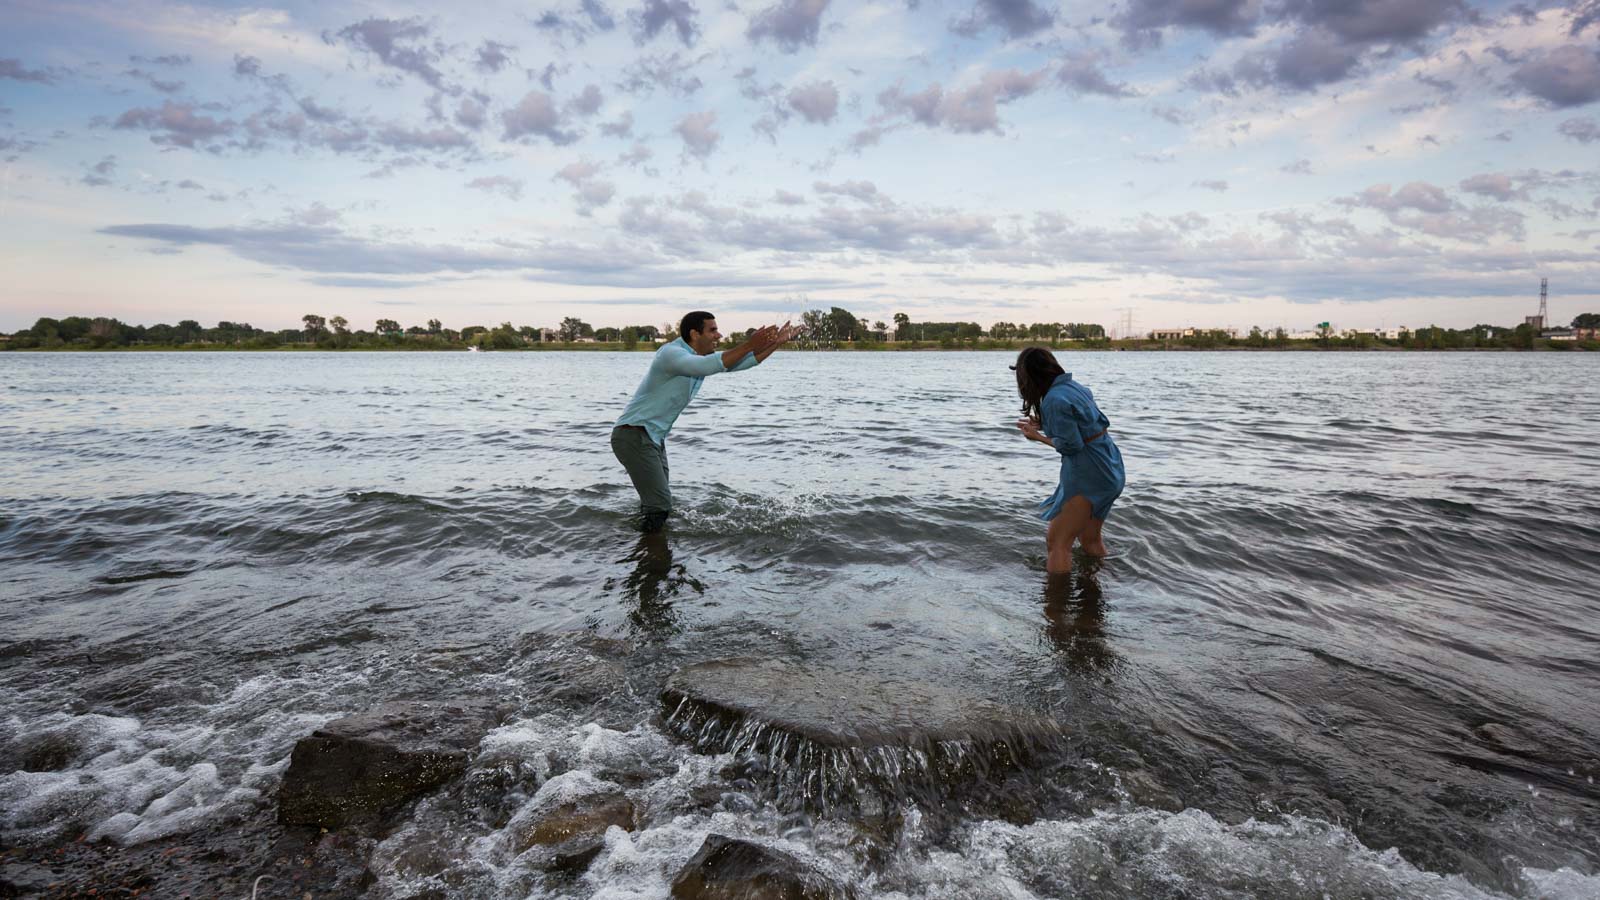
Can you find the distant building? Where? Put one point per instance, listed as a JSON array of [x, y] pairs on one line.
[[1560, 334], [1171, 334], [1393, 334], [549, 335], [1534, 322]]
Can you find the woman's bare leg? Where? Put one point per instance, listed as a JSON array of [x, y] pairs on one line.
[[1090, 539], [1063, 530]]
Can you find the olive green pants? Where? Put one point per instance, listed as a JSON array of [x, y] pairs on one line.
[[647, 468]]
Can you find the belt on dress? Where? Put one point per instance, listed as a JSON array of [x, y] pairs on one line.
[[1096, 436]]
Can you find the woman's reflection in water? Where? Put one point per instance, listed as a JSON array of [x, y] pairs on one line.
[[653, 585], [1075, 618]]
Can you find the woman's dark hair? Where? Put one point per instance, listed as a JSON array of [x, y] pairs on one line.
[[1036, 370], [695, 321]]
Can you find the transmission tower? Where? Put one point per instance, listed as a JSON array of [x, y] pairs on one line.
[[1125, 322]]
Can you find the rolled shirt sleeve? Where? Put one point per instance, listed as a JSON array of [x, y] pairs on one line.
[[681, 360], [1061, 424], [748, 362]]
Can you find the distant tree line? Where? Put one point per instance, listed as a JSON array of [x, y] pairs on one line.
[[823, 328], [837, 326], [316, 331]]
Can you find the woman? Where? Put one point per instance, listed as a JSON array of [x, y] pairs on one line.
[[1062, 413]]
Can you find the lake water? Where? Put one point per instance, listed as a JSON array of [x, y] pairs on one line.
[[1346, 644]]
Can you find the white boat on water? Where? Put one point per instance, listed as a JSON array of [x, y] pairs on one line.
[[474, 349]]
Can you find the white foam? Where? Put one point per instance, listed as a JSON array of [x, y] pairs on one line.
[[1561, 884], [1149, 852], [130, 781]]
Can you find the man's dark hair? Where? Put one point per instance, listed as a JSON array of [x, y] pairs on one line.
[[695, 321]]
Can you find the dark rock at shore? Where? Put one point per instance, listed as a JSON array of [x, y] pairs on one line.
[[729, 869], [360, 768], [567, 832]]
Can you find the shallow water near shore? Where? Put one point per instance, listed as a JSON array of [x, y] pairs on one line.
[[1345, 645]]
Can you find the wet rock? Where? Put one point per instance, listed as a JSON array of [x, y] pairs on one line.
[[729, 869], [362, 767], [566, 822], [49, 751], [839, 731], [1506, 739], [842, 708]]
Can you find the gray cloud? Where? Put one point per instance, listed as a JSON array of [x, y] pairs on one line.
[[536, 114], [791, 24], [691, 226], [1142, 21], [1325, 42], [970, 110], [100, 173], [672, 73], [649, 20], [331, 251], [504, 185], [493, 56], [471, 113], [637, 156], [392, 42], [165, 86], [1298, 167], [699, 133], [621, 128], [1562, 77], [817, 102], [1426, 208], [1584, 13], [1584, 131], [865, 191], [402, 138], [1310, 60], [16, 71], [1080, 73], [175, 124], [599, 16], [174, 59], [1494, 184], [189, 184], [1376, 21], [785, 198], [588, 102], [1212, 184], [1017, 18]]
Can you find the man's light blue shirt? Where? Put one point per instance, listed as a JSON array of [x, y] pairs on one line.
[[673, 380]]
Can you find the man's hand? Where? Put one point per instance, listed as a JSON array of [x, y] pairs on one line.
[[757, 340], [779, 337]]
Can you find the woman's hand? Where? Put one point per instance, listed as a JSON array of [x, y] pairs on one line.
[[1030, 430]]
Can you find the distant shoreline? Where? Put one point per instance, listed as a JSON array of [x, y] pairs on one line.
[[887, 347]]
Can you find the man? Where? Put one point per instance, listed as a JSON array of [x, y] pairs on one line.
[[640, 438]]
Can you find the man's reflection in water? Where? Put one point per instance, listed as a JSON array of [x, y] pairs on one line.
[[1075, 618], [654, 583]]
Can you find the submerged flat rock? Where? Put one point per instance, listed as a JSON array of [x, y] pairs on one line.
[[843, 709]]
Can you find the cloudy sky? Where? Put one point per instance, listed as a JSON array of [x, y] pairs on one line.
[[1208, 162]]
